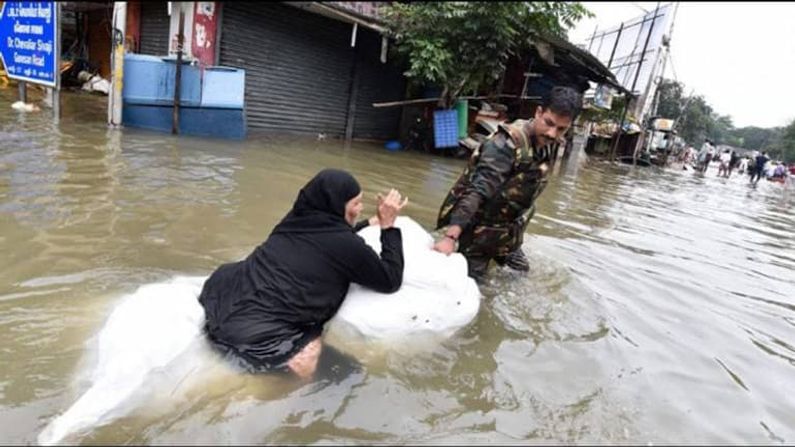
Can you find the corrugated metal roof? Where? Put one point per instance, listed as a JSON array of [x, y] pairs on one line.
[[571, 55], [337, 12]]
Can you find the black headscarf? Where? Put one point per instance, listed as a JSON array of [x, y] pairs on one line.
[[320, 206]]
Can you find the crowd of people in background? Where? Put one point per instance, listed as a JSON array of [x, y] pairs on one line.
[[756, 165]]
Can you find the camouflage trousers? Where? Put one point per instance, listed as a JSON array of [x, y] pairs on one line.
[[501, 243], [515, 260]]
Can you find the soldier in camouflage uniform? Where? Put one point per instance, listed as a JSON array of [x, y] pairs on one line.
[[488, 208]]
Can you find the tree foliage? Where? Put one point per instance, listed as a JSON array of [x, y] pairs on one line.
[[785, 144], [695, 118], [671, 99], [757, 138], [464, 47]]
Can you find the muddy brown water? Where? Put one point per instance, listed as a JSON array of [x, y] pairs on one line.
[[660, 307]]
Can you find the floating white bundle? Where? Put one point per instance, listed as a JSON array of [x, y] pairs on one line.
[[437, 295], [151, 332], [143, 335]]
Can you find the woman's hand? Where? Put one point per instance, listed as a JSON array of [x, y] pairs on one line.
[[389, 207]]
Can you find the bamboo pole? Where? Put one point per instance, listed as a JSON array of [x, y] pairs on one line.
[[427, 100]]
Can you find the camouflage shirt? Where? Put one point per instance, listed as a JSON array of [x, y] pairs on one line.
[[501, 182]]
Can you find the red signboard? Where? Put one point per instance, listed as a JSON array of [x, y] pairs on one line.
[[205, 24]]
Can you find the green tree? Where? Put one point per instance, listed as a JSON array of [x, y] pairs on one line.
[[464, 47], [696, 123], [756, 138], [720, 128], [787, 142], [670, 100], [695, 119]]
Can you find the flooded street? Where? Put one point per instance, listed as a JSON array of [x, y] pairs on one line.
[[660, 306]]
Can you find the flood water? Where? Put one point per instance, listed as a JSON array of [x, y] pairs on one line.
[[660, 307]]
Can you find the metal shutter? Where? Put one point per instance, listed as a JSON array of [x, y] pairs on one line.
[[298, 66], [154, 28]]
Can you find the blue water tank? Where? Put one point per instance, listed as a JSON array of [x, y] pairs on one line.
[[223, 87], [149, 80], [199, 121]]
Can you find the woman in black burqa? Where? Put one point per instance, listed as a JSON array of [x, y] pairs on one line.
[[268, 310]]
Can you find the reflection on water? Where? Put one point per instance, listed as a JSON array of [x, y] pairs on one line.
[[659, 307]]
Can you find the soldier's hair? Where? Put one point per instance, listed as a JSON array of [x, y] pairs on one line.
[[563, 101]]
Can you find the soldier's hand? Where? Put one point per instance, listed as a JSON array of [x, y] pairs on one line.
[[445, 245]]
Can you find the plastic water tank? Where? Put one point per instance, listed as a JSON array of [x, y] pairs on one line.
[[223, 87], [149, 80]]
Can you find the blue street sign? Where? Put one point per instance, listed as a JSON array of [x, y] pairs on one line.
[[29, 45]]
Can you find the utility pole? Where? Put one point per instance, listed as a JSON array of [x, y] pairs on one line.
[[117, 64], [652, 81], [23, 91], [55, 92], [177, 81]]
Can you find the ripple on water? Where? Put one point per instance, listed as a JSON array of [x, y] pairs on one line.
[[657, 308]]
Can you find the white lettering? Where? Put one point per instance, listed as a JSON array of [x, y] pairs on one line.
[[38, 61], [20, 28], [24, 44], [24, 28], [200, 36], [44, 46], [22, 59], [30, 11], [45, 13]]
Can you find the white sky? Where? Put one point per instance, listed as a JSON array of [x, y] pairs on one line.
[[739, 56]]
